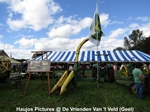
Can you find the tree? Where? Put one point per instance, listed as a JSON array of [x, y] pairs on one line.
[[144, 46], [126, 43], [119, 48], [135, 38], [136, 41]]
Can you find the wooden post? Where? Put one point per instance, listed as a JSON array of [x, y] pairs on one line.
[[43, 81], [48, 75], [27, 84]]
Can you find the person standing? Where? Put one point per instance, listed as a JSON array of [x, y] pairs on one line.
[[149, 67], [115, 68], [138, 80], [70, 69], [14, 68], [82, 70], [122, 65]]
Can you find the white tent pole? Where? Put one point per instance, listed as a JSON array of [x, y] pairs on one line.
[[97, 67]]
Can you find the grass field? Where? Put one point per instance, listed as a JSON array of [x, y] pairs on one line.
[[85, 97]]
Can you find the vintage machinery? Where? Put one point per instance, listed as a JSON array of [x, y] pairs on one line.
[[126, 78], [5, 66], [145, 70]]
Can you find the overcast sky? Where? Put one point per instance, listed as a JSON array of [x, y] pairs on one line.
[[31, 25]]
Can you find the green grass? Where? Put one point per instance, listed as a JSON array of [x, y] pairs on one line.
[[86, 94]]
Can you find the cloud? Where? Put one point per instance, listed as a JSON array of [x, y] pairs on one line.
[[60, 31], [111, 44], [142, 27], [63, 31], [20, 53], [104, 18], [63, 28], [16, 24], [133, 26], [26, 15], [56, 44], [1, 24], [25, 43], [118, 32], [69, 27], [1, 36], [4, 1], [117, 22], [59, 37], [49, 44], [143, 18], [145, 29]]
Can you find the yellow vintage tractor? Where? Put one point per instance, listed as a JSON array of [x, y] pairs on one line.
[[5, 66], [128, 80]]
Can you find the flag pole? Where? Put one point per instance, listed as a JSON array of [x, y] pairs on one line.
[[97, 58], [95, 36], [97, 66]]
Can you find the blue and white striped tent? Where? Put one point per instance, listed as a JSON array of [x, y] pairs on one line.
[[103, 56]]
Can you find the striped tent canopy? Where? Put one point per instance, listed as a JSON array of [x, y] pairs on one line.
[[103, 56]]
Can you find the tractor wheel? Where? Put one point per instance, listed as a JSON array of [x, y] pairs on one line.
[[145, 70], [132, 88]]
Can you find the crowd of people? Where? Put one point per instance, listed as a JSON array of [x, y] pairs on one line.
[[109, 70]]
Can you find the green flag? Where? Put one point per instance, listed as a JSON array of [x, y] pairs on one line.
[[95, 29]]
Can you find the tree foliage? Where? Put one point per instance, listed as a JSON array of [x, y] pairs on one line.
[[136, 41], [144, 45], [135, 37], [119, 48], [126, 43]]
